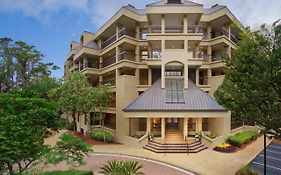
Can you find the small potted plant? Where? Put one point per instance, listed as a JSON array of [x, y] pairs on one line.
[[198, 136], [150, 137]]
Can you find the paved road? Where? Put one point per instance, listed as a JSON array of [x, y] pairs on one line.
[[273, 156]]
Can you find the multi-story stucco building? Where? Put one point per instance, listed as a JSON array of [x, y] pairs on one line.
[[164, 64]]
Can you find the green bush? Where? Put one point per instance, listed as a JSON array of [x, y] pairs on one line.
[[68, 172], [102, 135], [247, 171], [242, 138]]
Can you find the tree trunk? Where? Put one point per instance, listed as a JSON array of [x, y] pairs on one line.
[[73, 115], [88, 119]]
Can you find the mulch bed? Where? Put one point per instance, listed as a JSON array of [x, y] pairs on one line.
[[245, 145], [229, 149], [90, 141]]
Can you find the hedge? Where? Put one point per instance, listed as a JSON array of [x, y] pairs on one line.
[[242, 138], [68, 172], [102, 135]]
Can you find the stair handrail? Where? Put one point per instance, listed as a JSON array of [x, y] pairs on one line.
[[164, 146], [187, 147]]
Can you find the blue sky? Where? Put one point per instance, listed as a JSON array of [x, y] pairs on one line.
[[51, 25]]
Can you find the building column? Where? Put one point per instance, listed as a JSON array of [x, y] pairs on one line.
[[149, 76], [185, 76], [137, 53], [185, 127], [85, 62], [197, 76], [229, 31], [198, 124], [163, 128], [185, 24], [137, 75], [209, 31], [163, 24], [162, 76], [148, 125], [138, 31], [117, 53], [229, 51], [209, 50], [117, 31], [100, 61], [100, 80]]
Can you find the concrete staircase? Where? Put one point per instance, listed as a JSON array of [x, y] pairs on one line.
[[156, 147]]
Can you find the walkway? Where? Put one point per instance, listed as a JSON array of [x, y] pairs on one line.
[[207, 162]]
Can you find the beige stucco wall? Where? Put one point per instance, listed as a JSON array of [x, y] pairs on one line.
[[215, 82]]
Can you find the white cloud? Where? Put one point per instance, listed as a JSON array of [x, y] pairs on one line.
[[40, 8]]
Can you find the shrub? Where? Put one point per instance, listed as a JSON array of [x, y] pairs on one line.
[[102, 135], [68, 172], [247, 171], [225, 148], [242, 138]]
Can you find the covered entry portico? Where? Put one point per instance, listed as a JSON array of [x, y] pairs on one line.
[[175, 127]]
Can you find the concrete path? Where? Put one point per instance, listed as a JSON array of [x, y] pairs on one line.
[[207, 162]]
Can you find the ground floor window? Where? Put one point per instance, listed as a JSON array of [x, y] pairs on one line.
[[191, 124], [110, 121], [205, 124]]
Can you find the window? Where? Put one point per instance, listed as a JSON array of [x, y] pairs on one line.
[[174, 91], [174, 1]]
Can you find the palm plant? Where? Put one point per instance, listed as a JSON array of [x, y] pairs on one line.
[[121, 168]]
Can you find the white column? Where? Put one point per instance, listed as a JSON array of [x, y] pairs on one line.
[[162, 76], [137, 53], [209, 50], [117, 53], [138, 31], [185, 127], [229, 51], [117, 31], [149, 76], [100, 80], [148, 125], [163, 24], [100, 61], [85, 62], [198, 124], [185, 76], [185, 24], [163, 127], [209, 31], [197, 76], [137, 75]]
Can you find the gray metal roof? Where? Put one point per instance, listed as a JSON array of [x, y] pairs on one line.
[[213, 9], [154, 99]]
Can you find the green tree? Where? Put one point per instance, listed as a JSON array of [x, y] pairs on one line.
[[21, 64], [23, 120], [121, 168], [251, 88], [75, 95]]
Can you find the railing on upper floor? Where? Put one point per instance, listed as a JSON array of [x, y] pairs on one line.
[[125, 55], [174, 29], [194, 29], [124, 31], [154, 28], [109, 61], [203, 80], [91, 64], [108, 41], [111, 81], [225, 32]]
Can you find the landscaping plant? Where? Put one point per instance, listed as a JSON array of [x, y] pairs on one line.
[[102, 135], [121, 168]]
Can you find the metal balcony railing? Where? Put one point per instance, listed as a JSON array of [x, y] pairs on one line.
[[225, 32], [90, 64], [125, 55], [203, 80], [127, 32], [111, 81], [194, 29], [174, 29], [109, 61], [155, 28], [108, 41]]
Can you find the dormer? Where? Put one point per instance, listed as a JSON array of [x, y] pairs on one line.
[[173, 1], [85, 38]]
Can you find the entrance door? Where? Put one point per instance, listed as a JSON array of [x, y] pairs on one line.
[[172, 123]]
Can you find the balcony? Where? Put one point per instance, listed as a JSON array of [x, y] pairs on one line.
[[125, 55], [124, 31], [194, 29], [108, 61], [174, 29], [224, 32], [91, 64], [155, 28], [203, 80], [108, 41], [111, 81]]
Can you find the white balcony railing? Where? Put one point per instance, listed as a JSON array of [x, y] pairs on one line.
[[174, 29], [194, 29]]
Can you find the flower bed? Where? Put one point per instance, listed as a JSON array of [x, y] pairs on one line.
[[242, 138], [225, 148]]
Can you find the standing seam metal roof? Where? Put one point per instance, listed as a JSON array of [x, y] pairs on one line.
[[154, 99]]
